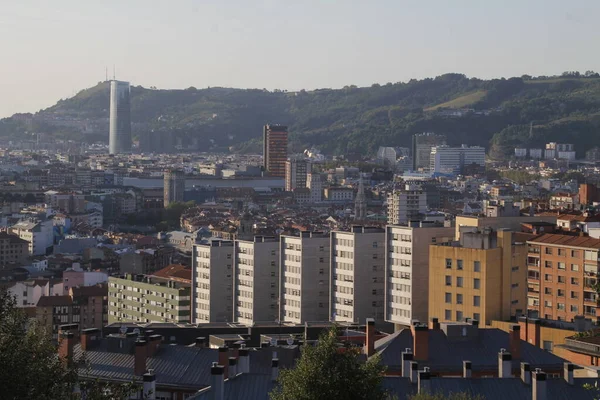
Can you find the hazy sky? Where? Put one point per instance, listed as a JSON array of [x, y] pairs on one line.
[[52, 49]]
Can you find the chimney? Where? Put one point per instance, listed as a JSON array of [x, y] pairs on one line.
[[65, 346], [504, 364], [467, 369], [244, 361], [539, 391], [149, 385], [420, 342], [217, 381], [514, 341], [407, 357], [434, 325], [224, 360], [274, 369], [526, 373], [232, 367], [200, 342], [530, 330], [153, 345], [568, 371], [424, 385], [139, 366], [414, 371], [370, 341], [89, 338]]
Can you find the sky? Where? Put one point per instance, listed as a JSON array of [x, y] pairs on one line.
[[52, 49]]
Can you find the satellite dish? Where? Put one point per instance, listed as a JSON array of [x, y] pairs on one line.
[[137, 331], [273, 342], [290, 341], [123, 330]]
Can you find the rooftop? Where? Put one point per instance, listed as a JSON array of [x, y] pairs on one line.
[[564, 240]]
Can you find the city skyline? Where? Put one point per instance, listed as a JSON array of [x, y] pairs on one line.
[[378, 40]]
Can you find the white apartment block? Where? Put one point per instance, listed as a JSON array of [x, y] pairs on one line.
[[407, 270], [256, 271], [212, 282], [406, 205], [452, 160], [39, 234], [28, 293], [304, 283], [357, 274]]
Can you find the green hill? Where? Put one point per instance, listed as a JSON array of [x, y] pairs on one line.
[[354, 119]]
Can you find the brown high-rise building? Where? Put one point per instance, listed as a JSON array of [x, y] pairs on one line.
[[562, 274], [275, 140]]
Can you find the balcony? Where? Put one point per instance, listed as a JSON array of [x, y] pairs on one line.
[[588, 348]]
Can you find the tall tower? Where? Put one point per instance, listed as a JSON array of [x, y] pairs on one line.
[[120, 118], [174, 186], [360, 202], [296, 172], [275, 141]]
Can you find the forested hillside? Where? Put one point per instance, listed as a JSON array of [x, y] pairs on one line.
[[492, 113]]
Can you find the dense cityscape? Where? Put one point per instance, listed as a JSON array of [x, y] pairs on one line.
[[314, 200]]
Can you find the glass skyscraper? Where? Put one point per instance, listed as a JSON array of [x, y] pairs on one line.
[[120, 118]]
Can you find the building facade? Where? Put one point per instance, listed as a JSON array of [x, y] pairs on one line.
[[212, 277], [174, 186], [256, 280], [453, 160], [304, 278], [562, 273], [357, 274], [421, 148], [120, 118], [13, 249], [296, 171], [275, 141], [313, 182], [406, 205], [407, 270], [480, 277], [163, 297]]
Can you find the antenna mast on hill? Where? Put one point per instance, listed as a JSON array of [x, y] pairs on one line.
[[114, 73], [530, 129], [106, 73]]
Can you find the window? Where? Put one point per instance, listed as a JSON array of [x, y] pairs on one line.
[[560, 306], [476, 301], [574, 309], [447, 315], [548, 250], [374, 268], [459, 316], [476, 283], [459, 264], [548, 304], [448, 263], [574, 267], [560, 293], [476, 316], [574, 295], [374, 245], [448, 280], [548, 278], [459, 298], [562, 265], [374, 291], [477, 266], [575, 253], [459, 281], [574, 281], [374, 256], [561, 279], [548, 264], [448, 298], [562, 252]]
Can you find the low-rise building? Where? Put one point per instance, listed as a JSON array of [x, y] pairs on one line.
[[164, 296], [13, 250]]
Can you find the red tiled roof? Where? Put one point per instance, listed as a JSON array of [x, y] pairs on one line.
[[565, 240], [175, 271]]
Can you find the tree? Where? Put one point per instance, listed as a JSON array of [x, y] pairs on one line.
[[327, 372], [30, 367]]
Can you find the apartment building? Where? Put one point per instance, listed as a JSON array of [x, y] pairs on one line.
[[39, 235], [304, 278], [275, 142], [406, 205], [256, 271], [13, 250], [562, 273], [482, 277], [84, 306], [212, 277], [357, 274], [407, 270], [164, 296], [452, 160], [296, 171]]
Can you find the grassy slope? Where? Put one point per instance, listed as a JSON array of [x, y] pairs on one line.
[[461, 101]]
